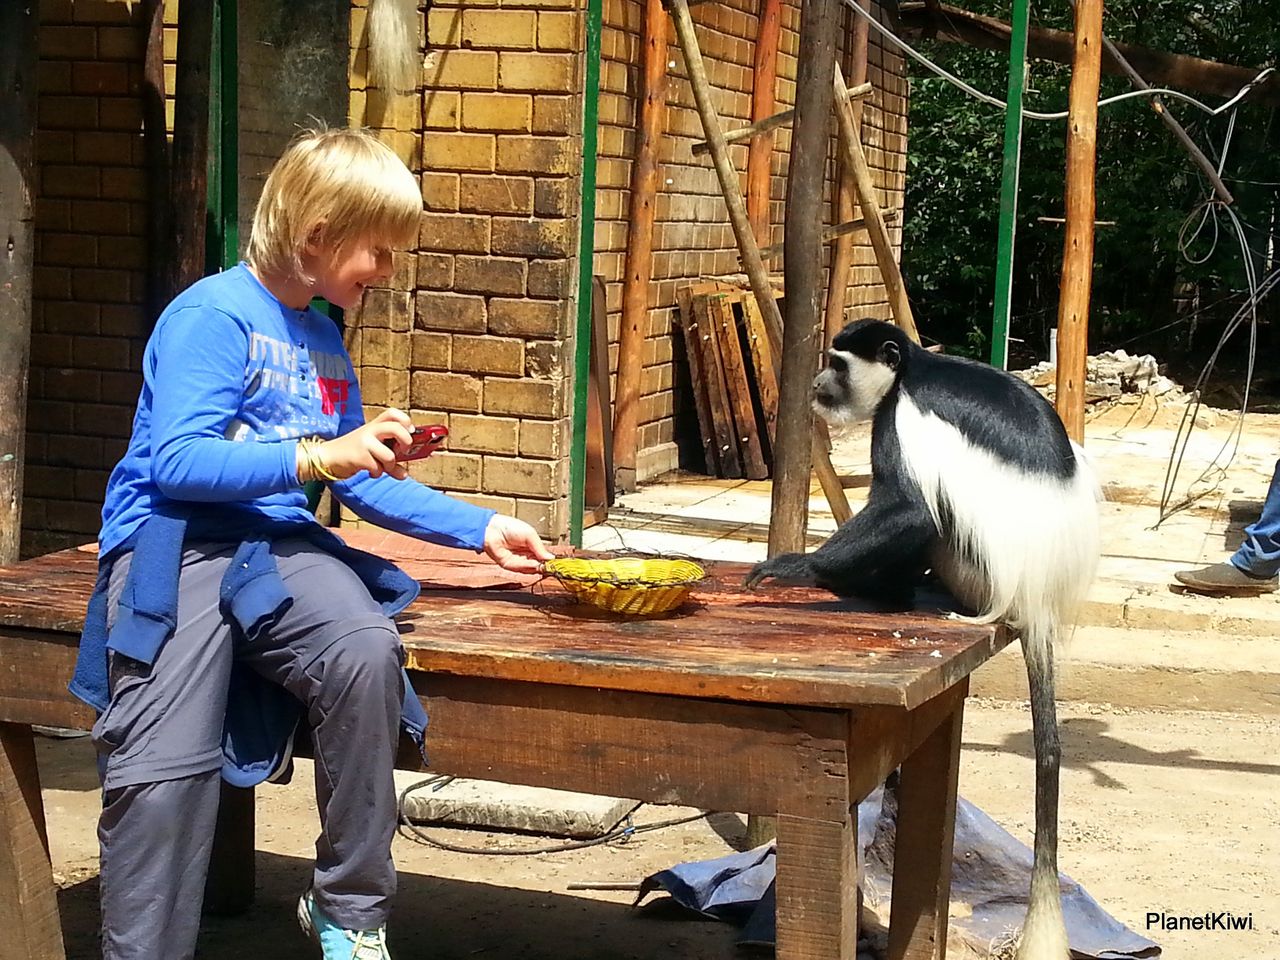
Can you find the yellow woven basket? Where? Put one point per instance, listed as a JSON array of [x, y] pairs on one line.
[[638, 586]]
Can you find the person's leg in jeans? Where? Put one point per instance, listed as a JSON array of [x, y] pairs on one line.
[[337, 653], [160, 746], [1259, 555], [1253, 568]]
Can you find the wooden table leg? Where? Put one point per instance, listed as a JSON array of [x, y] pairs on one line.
[[923, 849], [817, 889], [30, 928], [229, 888]]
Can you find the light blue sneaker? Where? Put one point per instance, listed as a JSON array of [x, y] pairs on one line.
[[337, 943]]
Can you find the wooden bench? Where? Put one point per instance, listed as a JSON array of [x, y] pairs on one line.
[[783, 702]]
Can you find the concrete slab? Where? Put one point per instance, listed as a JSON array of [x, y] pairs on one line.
[[502, 806]]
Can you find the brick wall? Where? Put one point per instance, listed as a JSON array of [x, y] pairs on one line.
[[475, 330], [88, 323], [692, 236]]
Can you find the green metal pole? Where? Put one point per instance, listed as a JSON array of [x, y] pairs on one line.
[[222, 233], [1009, 185], [586, 251], [229, 141]]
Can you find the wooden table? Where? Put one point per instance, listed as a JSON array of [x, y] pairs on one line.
[[783, 702]]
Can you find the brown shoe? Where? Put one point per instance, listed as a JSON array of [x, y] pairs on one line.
[[1225, 579]]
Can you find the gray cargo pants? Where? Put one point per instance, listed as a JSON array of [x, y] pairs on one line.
[[160, 743]]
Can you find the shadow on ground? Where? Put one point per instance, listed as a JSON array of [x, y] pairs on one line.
[[440, 919]]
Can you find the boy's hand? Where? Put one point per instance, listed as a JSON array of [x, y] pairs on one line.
[[366, 448], [514, 545]]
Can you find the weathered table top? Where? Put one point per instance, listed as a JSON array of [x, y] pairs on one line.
[[774, 645]]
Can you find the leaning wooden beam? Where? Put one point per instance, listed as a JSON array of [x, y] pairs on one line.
[[802, 267], [750, 253], [842, 252], [650, 127], [837, 232], [18, 22], [1163, 69], [763, 103], [768, 124], [1077, 255], [856, 164]]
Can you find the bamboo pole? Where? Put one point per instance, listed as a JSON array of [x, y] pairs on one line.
[[650, 127], [747, 248], [842, 252], [793, 445], [763, 105], [856, 164], [1077, 256], [18, 27]]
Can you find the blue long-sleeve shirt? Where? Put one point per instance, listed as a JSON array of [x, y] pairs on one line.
[[231, 379]]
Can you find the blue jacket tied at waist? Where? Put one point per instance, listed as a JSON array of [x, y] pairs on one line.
[[261, 716]]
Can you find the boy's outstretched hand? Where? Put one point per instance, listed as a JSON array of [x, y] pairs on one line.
[[514, 545]]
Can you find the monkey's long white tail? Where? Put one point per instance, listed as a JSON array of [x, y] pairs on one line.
[[1044, 934], [393, 43]]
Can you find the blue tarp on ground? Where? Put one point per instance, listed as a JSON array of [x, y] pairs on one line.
[[990, 875]]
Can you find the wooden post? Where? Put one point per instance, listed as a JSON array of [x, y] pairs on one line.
[[190, 176], [1077, 255], [856, 164], [763, 105], [842, 252], [650, 127], [18, 23], [155, 141], [802, 268]]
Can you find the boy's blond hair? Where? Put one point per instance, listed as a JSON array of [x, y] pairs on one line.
[[334, 187]]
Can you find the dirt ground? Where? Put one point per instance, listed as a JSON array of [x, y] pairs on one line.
[[1173, 812]]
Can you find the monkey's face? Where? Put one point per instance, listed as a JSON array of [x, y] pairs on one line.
[[850, 388]]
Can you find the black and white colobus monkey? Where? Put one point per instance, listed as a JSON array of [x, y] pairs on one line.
[[974, 477]]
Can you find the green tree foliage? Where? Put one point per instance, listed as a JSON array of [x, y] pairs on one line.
[[1145, 292]]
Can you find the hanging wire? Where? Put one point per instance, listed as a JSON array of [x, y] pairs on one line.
[[1034, 114]]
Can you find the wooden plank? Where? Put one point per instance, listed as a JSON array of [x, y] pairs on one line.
[[781, 644], [923, 849], [645, 184], [817, 884], [763, 361], [155, 142], [719, 756], [713, 375], [697, 381], [720, 315], [599, 472], [18, 22], [28, 896]]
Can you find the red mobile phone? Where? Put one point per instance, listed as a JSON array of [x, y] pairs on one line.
[[424, 442]]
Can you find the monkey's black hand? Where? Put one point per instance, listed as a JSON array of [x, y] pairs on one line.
[[794, 567]]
